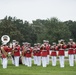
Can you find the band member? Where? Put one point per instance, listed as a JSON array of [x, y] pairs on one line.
[[35, 53], [44, 55], [75, 52], [4, 51], [61, 52], [48, 50], [54, 54], [71, 46], [12, 52], [16, 50], [25, 44], [38, 55], [23, 59], [28, 55]]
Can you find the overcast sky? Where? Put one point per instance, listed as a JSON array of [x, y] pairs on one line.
[[38, 9]]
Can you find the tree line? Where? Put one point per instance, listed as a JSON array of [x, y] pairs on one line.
[[49, 29]]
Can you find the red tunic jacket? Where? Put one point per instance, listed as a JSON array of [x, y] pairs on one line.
[[53, 52], [6, 49], [71, 49], [48, 49], [34, 51], [61, 51], [43, 51], [38, 52], [75, 49], [28, 52], [17, 51]]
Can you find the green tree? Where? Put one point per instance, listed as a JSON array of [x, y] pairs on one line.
[[7, 28], [72, 27]]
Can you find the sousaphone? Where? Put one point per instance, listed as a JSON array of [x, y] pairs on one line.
[[5, 39]]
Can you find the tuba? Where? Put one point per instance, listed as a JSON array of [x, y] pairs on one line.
[[5, 39]]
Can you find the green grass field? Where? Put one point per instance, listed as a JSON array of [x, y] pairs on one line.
[[36, 70]]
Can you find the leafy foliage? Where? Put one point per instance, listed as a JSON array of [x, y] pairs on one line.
[[50, 29]]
